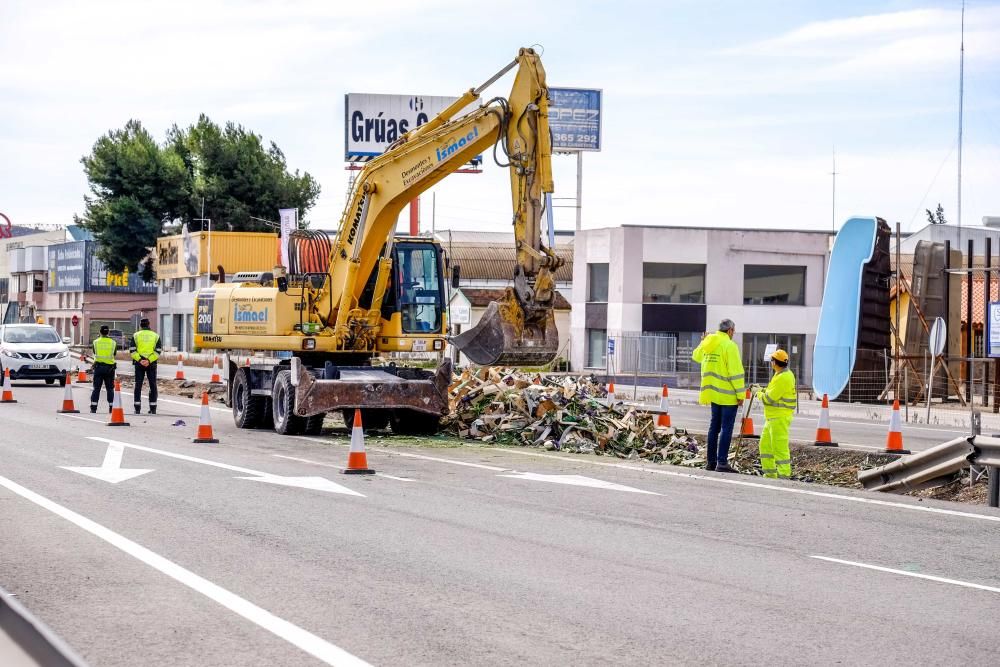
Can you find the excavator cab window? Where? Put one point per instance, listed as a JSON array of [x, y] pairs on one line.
[[418, 287]]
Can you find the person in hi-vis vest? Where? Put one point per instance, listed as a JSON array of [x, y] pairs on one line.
[[145, 348], [104, 368]]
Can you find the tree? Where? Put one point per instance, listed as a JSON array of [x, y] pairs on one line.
[[937, 217], [137, 186]]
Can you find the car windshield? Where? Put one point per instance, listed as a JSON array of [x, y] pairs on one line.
[[30, 335]]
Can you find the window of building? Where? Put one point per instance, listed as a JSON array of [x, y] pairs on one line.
[[673, 283], [177, 286], [770, 285], [61, 295], [39, 286], [164, 287], [4, 289], [192, 284], [754, 346], [597, 346], [597, 283]]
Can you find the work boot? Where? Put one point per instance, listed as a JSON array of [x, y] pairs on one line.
[[93, 409], [710, 465], [138, 408], [152, 409], [724, 467]]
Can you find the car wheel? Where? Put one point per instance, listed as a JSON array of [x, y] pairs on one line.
[[62, 381], [286, 422], [50, 380]]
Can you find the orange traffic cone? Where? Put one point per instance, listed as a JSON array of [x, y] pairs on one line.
[[357, 460], [894, 441], [8, 393], [823, 436], [746, 424], [68, 407], [205, 423], [117, 414], [663, 421], [81, 375], [179, 375], [611, 393], [215, 372]]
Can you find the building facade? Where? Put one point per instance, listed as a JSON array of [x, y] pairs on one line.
[[676, 283]]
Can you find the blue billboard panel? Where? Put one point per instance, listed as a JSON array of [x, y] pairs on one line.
[[67, 266], [575, 119]]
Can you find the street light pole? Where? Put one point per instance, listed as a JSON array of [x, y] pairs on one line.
[[209, 261]]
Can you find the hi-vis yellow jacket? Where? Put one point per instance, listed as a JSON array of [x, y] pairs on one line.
[[780, 397], [721, 370]]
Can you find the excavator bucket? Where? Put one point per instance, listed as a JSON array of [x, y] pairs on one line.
[[506, 337]]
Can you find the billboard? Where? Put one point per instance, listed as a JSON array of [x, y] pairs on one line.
[[68, 267], [75, 267], [575, 118], [372, 122]]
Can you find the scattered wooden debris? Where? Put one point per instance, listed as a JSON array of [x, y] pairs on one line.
[[563, 413]]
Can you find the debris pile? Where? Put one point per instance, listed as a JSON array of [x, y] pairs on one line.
[[563, 413]]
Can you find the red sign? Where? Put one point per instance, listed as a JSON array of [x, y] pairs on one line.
[[75, 321], [5, 231]]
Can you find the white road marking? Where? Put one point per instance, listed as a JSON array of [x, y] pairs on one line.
[[192, 405], [315, 646], [576, 480], [439, 460], [314, 483], [759, 485], [111, 469], [86, 419], [330, 465], [917, 575]]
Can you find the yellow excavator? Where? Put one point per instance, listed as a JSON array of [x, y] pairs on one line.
[[321, 324]]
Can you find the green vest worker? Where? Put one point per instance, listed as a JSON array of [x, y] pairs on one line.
[[104, 368], [722, 387], [779, 400], [146, 348]]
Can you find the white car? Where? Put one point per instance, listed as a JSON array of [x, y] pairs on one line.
[[34, 352]]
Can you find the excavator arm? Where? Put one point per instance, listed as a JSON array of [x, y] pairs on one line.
[[519, 329]]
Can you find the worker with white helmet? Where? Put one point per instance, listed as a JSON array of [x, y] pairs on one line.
[[779, 399]]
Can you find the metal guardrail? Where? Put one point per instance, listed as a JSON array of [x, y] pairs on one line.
[[33, 637], [922, 470], [987, 450]]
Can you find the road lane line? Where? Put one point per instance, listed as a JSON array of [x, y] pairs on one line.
[[314, 645], [439, 460], [86, 419], [917, 575], [759, 485], [192, 405], [331, 465]]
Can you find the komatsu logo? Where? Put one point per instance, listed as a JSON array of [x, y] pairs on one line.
[[248, 314], [453, 145], [357, 220]]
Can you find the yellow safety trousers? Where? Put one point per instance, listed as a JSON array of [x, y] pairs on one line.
[[775, 458]]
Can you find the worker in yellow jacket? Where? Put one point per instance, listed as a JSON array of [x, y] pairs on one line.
[[723, 388], [779, 400]]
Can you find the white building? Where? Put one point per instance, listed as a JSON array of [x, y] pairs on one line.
[[679, 282]]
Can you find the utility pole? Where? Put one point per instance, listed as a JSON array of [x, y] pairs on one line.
[[961, 96], [833, 211]]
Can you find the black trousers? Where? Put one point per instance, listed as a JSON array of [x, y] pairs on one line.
[[141, 374], [104, 375]]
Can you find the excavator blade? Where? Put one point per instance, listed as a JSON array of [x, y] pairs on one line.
[[504, 337]]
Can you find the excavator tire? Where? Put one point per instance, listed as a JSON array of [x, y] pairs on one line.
[[248, 411], [286, 422], [371, 420], [314, 424], [411, 422]]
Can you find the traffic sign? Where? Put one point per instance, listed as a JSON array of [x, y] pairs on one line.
[[76, 321], [611, 347], [938, 336], [993, 330]]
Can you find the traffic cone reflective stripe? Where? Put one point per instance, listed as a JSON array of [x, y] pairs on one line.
[[117, 413], [357, 459], [746, 424], [205, 423], [894, 441], [179, 375], [215, 371], [663, 421], [68, 406], [823, 436], [8, 392]]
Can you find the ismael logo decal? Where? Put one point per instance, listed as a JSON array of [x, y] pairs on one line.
[[245, 312]]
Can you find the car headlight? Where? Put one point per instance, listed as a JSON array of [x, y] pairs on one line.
[[63, 354], [10, 353]]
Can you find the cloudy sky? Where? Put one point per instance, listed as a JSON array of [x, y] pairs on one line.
[[717, 112]]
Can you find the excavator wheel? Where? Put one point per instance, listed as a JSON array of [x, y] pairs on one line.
[[286, 422], [248, 411], [411, 422], [371, 420], [314, 424]]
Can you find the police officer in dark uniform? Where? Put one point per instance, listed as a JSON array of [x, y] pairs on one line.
[[104, 368], [146, 348]]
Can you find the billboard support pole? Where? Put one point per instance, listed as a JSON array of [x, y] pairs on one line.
[[579, 190], [415, 217]]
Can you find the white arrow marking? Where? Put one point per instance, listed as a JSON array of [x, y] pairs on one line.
[[313, 483], [111, 470], [576, 480]]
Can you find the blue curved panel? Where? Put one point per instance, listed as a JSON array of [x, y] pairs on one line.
[[837, 336]]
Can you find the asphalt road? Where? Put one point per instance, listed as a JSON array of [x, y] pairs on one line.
[[257, 551]]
